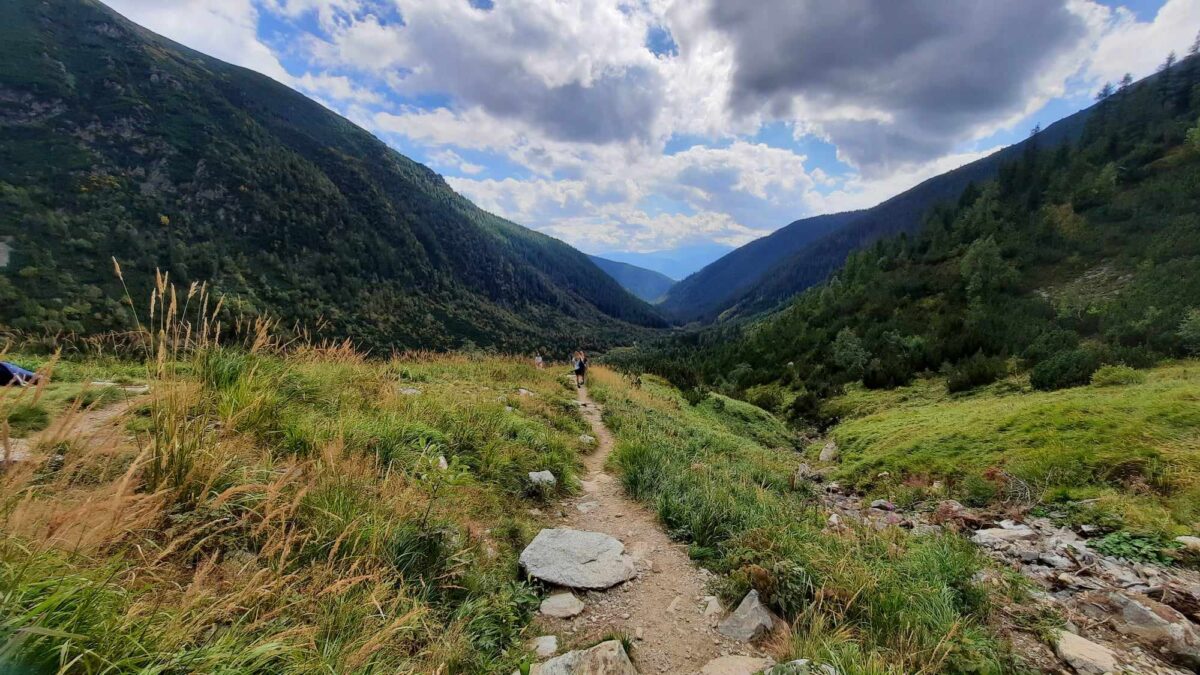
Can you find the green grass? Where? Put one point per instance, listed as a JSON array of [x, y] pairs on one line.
[[1135, 447], [863, 601]]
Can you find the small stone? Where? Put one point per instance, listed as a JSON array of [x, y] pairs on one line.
[[1191, 544], [927, 530], [410, 391], [442, 463], [606, 658], [544, 646], [586, 439], [562, 605], [674, 606], [712, 606], [883, 505], [749, 621], [639, 634], [542, 478], [999, 537], [829, 453], [1085, 656], [587, 507]]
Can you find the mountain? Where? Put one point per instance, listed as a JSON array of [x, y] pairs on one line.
[[118, 143], [767, 271], [714, 288], [676, 263], [1073, 256], [643, 283]]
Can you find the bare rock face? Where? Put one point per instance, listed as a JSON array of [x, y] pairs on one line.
[[1085, 656], [577, 559], [1149, 621], [736, 665], [562, 605], [749, 621], [606, 658]]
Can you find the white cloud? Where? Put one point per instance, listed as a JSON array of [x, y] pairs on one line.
[[1130, 46]]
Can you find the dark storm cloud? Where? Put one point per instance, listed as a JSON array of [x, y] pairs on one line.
[[938, 68]]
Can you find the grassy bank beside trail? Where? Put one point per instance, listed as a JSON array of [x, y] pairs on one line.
[[286, 513], [719, 474], [1132, 445]]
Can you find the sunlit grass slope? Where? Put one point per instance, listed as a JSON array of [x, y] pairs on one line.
[[286, 513], [719, 474], [1135, 446]]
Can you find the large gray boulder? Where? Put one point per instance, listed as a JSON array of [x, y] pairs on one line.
[[577, 559], [542, 478], [606, 658], [749, 621]]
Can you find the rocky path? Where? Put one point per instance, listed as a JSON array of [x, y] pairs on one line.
[[93, 427], [665, 609]]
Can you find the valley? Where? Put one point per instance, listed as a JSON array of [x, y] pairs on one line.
[[288, 392]]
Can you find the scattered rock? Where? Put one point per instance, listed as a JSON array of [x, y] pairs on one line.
[[1085, 656], [586, 439], [562, 605], [587, 507], [736, 665], [606, 658], [544, 646], [829, 453], [577, 559], [542, 478], [1191, 544], [749, 621], [883, 505]]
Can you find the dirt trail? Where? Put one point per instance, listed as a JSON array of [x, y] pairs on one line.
[[93, 427], [663, 608]]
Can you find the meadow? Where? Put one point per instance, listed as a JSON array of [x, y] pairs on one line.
[[268, 510], [1127, 446]]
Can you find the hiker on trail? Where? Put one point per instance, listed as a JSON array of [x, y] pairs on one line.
[[579, 363]]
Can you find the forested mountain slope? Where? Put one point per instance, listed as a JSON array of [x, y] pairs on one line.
[[1073, 257], [115, 142], [760, 275], [706, 293], [645, 284]]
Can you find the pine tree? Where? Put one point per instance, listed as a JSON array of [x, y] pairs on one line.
[[1126, 83], [1105, 91]]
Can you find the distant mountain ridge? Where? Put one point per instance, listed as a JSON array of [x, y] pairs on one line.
[[646, 284], [768, 271], [676, 263], [117, 143]]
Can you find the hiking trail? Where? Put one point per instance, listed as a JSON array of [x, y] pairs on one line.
[[662, 610]]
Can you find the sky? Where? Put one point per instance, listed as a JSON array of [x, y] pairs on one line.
[[658, 125]]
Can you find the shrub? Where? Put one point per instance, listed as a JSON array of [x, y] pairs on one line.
[[1065, 369], [1189, 332], [27, 418], [975, 371], [1111, 376], [1137, 547]]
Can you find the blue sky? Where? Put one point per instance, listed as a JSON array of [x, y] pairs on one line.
[[655, 125]]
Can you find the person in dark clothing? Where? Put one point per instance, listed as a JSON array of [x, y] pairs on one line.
[[579, 363]]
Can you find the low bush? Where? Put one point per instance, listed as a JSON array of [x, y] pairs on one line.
[[1065, 369], [975, 371], [26, 417], [1113, 376]]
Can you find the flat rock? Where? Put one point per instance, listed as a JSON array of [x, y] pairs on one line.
[[999, 536], [577, 559], [544, 646], [748, 622], [542, 478], [1150, 621], [606, 658], [736, 665], [1085, 656], [562, 605]]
